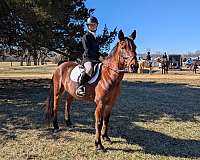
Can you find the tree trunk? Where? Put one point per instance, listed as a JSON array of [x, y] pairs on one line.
[[28, 60], [35, 57], [21, 62]]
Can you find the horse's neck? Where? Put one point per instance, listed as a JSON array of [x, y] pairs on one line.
[[114, 60], [112, 63], [111, 77], [113, 66]]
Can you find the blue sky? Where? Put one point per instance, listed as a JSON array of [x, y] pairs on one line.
[[162, 25]]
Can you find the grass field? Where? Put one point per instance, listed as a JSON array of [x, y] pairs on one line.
[[156, 117]]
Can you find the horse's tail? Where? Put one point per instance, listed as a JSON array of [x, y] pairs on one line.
[[48, 108]]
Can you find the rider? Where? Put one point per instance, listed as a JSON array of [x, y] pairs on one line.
[[164, 56], [91, 53], [148, 56], [149, 59]]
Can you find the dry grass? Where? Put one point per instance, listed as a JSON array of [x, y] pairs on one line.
[[25, 72], [156, 117]]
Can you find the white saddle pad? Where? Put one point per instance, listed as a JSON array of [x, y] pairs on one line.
[[76, 72]]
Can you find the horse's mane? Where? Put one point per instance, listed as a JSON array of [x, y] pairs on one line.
[[112, 51], [111, 54]]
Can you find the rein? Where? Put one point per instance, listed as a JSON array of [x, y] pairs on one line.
[[115, 70]]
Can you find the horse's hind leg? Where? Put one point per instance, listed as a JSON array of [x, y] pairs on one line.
[[57, 95], [150, 70], [67, 110], [56, 104], [166, 70]]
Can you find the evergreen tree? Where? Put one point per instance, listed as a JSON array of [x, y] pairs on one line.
[[55, 25]]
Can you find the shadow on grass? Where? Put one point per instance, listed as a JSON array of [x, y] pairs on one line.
[[20, 105], [21, 101]]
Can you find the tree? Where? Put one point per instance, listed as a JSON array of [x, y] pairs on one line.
[[55, 25], [106, 39]]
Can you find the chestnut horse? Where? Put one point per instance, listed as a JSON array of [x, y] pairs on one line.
[[103, 92]]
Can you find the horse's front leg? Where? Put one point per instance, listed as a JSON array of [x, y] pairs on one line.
[[164, 70], [106, 116], [98, 125], [107, 111], [150, 70], [67, 110]]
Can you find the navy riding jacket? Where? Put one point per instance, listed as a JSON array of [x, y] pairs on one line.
[[91, 48], [148, 57]]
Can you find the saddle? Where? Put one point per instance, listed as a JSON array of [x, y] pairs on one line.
[[79, 70]]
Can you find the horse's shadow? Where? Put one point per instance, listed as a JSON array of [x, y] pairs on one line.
[[139, 102], [156, 143]]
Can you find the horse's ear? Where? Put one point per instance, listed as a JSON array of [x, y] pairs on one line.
[[121, 35], [133, 35]]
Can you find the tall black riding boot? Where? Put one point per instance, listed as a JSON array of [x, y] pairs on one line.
[[81, 91]]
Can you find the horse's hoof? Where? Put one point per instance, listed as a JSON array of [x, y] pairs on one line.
[[99, 147], [101, 150], [56, 130], [107, 139], [68, 123], [55, 126]]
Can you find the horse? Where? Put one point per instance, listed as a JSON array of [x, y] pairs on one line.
[[145, 64], [194, 65], [104, 91], [164, 64]]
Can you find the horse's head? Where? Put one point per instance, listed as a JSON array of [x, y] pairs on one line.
[[127, 49]]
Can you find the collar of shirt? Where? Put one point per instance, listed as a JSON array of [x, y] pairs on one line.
[[93, 33]]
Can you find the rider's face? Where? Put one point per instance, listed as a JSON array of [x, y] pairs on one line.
[[92, 26]]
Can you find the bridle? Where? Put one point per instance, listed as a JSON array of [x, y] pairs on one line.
[[124, 57]]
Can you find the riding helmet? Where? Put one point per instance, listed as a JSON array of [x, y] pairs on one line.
[[92, 19]]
